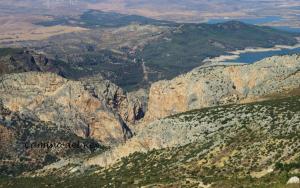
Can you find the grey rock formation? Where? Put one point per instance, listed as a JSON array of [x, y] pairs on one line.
[[86, 109], [219, 85]]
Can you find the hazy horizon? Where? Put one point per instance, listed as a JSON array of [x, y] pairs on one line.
[[189, 10]]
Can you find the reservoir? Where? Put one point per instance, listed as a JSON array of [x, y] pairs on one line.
[[251, 57]]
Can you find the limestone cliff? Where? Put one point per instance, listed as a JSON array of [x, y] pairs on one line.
[[68, 104], [219, 85]]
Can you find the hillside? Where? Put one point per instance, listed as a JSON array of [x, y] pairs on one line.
[[96, 19], [250, 145], [17, 60], [189, 44]]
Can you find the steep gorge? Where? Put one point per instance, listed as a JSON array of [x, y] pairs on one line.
[[206, 86]]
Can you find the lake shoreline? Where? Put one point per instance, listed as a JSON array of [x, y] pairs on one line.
[[234, 55]]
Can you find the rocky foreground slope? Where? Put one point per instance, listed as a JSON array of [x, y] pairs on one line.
[[221, 146], [248, 145], [219, 85]]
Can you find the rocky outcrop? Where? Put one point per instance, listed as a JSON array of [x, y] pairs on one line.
[[219, 85], [294, 180], [86, 109], [21, 60]]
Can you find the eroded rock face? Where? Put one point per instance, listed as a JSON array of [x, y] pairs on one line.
[[67, 104], [130, 106], [218, 85]]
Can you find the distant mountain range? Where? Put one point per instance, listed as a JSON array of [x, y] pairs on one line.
[[175, 10], [149, 49]]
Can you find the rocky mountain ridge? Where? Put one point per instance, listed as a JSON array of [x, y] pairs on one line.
[[219, 85]]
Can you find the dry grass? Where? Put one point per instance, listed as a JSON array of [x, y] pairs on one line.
[[21, 28]]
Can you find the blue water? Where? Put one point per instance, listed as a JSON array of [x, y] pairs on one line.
[[289, 29], [295, 8], [251, 57]]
